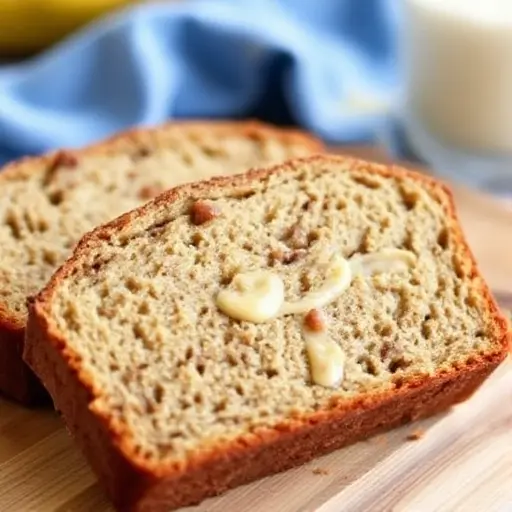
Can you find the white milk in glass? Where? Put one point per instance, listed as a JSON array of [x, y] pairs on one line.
[[457, 57]]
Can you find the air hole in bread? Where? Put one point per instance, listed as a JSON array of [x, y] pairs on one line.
[[368, 365], [271, 372], [398, 364], [426, 330], [308, 205], [459, 267], [123, 240], [42, 225], [384, 329], [366, 181], [14, 225], [140, 153], [138, 331], [228, 337], [270, 215], [131, 283], [220, 406], [296, 237], [409, 197], [471, 300], [305, 282], [227, 277], [211, 151], [246, 194], [313, 236], [50, 257], [186, 157], [56, 197], [341, 204], [385, 350], [408, 241], [231, 359], [143, 309], [197, 238], [364, 243], [399, 382], [158, 393], [442, 286]]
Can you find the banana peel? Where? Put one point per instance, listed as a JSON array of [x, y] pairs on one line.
[[27, 26]]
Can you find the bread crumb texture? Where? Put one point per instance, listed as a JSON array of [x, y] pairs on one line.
[[138, 304], [320, 471], [49, 203]]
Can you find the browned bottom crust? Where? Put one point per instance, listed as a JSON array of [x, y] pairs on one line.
[[17, 381], [271, 451]]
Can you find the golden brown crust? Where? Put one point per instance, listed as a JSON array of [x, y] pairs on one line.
[[16, 380], [135, 483]]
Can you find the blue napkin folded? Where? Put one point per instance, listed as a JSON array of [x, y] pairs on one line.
[[326, 65]]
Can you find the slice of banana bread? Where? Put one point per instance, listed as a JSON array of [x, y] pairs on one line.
[[48, 203], [237, 327]]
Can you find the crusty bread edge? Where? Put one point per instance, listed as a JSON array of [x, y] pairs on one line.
[[16, 380], [146, 137], [266, 450]]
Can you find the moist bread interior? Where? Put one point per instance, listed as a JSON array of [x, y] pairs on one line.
[[44, 211], [139, 307]]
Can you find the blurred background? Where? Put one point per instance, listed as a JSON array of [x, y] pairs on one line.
[[29, 26], [425, 80]]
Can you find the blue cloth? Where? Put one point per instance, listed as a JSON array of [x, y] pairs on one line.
[[326, 65]]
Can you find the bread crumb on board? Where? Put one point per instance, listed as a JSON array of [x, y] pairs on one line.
[[415, 435], [320, 471]]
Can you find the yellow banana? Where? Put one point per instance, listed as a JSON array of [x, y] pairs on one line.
[[29, 25]]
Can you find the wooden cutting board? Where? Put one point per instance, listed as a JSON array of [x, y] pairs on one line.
[[460, 461]]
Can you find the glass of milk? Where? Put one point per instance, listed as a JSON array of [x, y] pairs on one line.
[[457, 57]]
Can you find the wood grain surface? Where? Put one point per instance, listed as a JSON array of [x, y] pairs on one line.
[[460, 461]]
